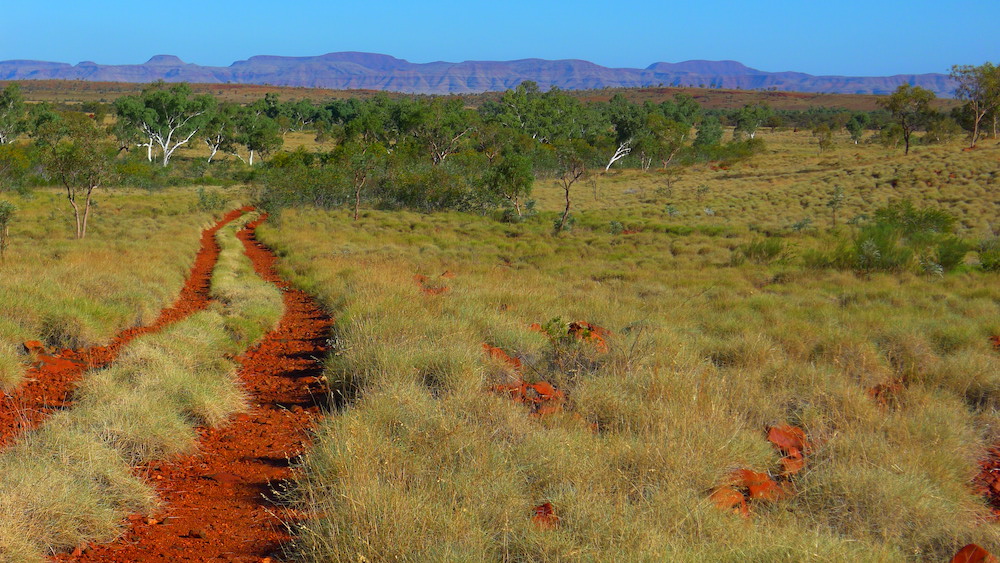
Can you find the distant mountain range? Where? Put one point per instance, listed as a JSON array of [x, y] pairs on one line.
[[352, 70]]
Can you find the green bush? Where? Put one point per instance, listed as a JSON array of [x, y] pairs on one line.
[[900, 237], [989, 254]]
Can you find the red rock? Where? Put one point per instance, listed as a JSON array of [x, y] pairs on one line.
[[33, 347], [728, 498], [545, 516], [788, 438], [499, 354], [792, 464], [973, 553], [760, 486]]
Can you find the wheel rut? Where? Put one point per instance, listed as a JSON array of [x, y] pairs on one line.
[[219, 504], [50, 380]]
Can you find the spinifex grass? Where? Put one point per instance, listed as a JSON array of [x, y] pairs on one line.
[[426, 461], [69, 293], [69, 481]]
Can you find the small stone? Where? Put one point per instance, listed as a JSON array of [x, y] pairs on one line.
[[152, 521], [197, 533]]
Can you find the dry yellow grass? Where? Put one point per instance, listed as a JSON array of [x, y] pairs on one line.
[[425, 462], [70, 293]]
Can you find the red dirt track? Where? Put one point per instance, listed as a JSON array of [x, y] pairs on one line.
[[219, 503], [51, 378]]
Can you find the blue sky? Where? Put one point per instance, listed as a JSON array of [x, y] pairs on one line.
[[832, 37]]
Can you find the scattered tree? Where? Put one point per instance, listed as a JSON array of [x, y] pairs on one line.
[[835, 202], [572, 166], [910, 106], [856, 126], [824, 136], [220, 132], [510, 178], [627, 120], [750, 117], [363, 161], [81, 158], [979, 86], [257, 132]]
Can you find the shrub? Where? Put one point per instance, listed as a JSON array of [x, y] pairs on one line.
[[210, 201], [877, 249], [951, 252], [760, 251], [989, 254]]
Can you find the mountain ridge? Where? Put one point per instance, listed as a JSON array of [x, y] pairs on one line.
[[373, 71]]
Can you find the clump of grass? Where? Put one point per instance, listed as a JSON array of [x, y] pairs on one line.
[[760, 251]]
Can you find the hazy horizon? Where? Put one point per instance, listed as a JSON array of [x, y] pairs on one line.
[[852, 38]]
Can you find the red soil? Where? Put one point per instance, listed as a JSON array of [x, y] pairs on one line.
[[219, 504], [52, 376]]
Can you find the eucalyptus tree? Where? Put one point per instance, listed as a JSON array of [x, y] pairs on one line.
[[257, 132], [364, 162], [750, 117], [683, 109], [78, 155], [910, 107], [13, 115], [628, 121], [979, 86], [546, 116], [661, 139], [856, 126], [571, 157], [220, 132], [510, 177], [709, 133], [440, 125], [168, 116]]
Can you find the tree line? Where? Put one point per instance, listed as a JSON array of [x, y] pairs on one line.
[[432, 152]]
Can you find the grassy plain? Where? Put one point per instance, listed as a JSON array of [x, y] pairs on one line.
[[424, 460]]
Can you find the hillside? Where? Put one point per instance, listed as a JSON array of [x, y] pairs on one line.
[[369, 71]]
